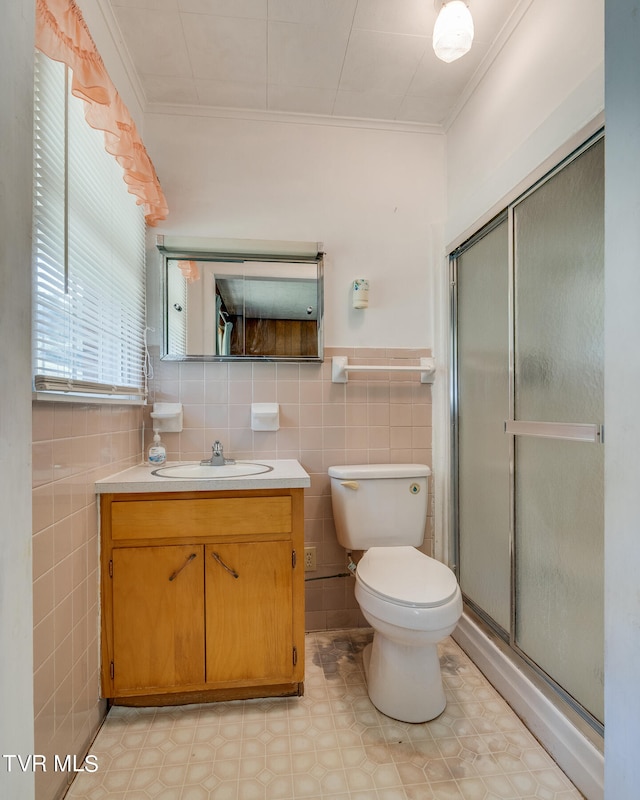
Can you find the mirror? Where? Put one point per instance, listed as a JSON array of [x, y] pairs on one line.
[[227, 308]]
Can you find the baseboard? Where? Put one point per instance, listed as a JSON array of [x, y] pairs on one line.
[[576, 752]]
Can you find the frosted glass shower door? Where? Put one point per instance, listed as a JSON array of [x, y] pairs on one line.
[[558, 406], [483, 405]]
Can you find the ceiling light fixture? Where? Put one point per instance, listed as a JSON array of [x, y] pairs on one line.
[[453, 31]]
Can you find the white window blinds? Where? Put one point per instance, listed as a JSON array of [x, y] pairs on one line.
[[89, 250]]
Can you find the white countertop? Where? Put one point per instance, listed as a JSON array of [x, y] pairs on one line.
[[285, 474]]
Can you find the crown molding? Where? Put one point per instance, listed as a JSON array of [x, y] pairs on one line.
[[292, 118]]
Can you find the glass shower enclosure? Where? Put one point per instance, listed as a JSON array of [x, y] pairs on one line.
[[528, 394]]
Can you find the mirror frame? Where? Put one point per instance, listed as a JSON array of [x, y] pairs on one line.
[[240, 251]]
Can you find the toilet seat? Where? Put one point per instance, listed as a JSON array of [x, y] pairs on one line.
[[406, 577]]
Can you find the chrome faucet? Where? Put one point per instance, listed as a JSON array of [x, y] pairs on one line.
[[217, 456]]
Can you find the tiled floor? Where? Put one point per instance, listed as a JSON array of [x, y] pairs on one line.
[[331, 743]]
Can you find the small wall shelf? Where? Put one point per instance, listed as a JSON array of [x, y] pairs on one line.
[[340, 367]]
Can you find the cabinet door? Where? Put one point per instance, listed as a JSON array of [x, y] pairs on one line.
[[249, 611], [158, 617]]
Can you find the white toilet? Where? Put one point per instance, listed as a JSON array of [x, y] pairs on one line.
[[410, 600]]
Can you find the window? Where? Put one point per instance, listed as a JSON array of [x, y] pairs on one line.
[[89, 251]]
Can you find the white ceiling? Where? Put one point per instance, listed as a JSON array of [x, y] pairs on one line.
[[362, 59]]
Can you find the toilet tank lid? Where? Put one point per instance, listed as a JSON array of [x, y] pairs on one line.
[[371, 471]]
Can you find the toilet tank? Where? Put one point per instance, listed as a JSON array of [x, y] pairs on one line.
[[379, 505]]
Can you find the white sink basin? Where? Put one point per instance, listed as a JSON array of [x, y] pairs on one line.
[[207, 472]]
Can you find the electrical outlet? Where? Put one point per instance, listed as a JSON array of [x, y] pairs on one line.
[[309, 559]]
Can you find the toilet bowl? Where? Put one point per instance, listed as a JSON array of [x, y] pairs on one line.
[[410, 600]]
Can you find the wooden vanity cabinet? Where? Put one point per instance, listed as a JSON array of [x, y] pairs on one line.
[[202, 596]]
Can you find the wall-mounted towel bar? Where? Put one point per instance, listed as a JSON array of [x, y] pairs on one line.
[[340, 367]]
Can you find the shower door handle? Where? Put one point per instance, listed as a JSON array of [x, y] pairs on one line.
[[570, 431]]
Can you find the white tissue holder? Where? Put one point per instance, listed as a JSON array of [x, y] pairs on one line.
[[167, 417], [265, 416]]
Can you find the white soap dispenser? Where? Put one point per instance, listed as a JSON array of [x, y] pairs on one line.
[[157, 451]]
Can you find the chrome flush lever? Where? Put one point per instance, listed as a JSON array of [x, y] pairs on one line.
[[222, 564], [175, 574]]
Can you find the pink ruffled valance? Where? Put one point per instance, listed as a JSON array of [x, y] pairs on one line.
[[62, 34]]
